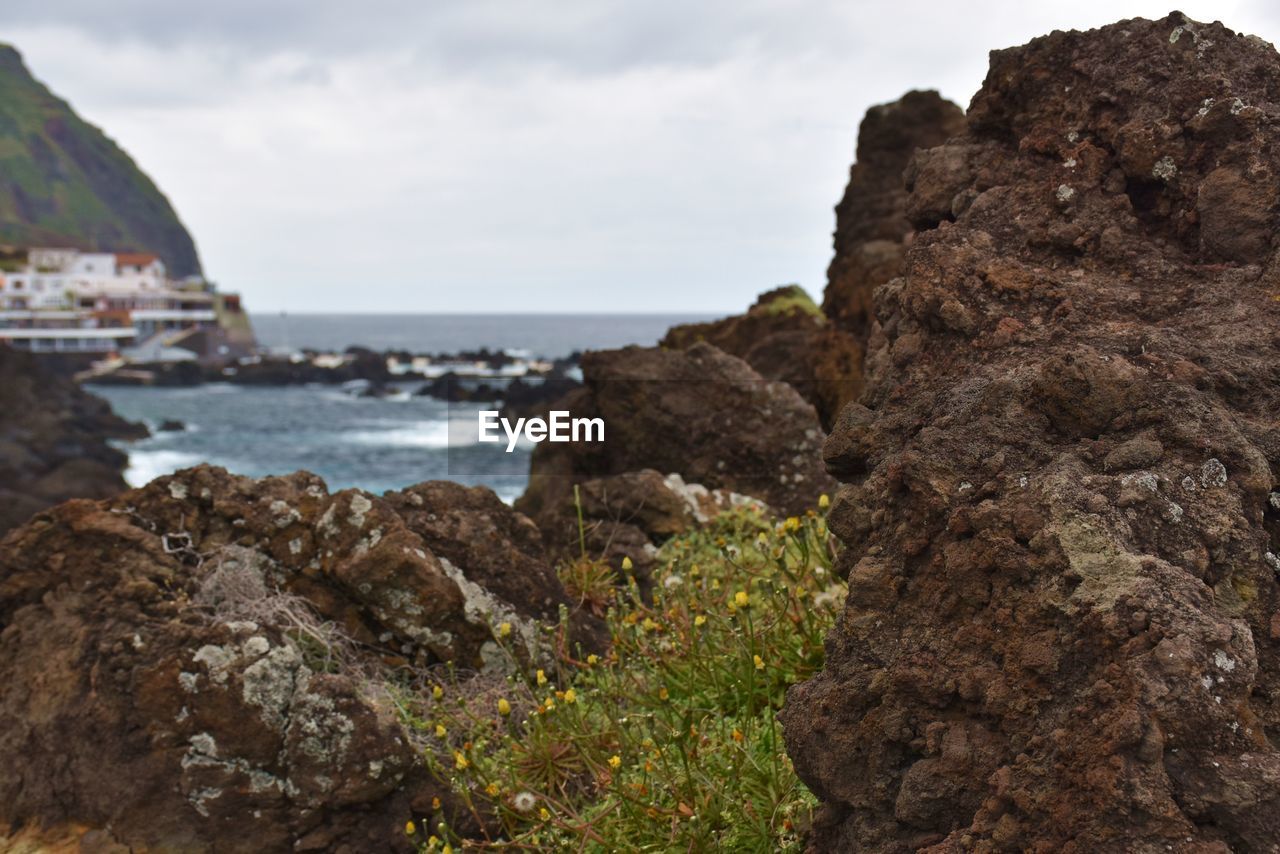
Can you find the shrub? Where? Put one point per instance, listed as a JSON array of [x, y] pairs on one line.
[[670, 742]]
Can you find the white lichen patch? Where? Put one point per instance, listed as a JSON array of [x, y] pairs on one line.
[[1065, 192], [482, 608], [269, 683], [284, 514], [1142, 479], [1223, 661], [1165, 169], [325, 732], [178, 490], [326, 525], [360, 507], [1213, 473], [295, 546], [217, 660], [1272, 561], [1274, 499]]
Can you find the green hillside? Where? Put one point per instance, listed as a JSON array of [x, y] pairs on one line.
[[64, 183]]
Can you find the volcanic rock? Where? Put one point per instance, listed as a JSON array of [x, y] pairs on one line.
[[785, 337], [697, 413], [871, 218], [202, 664], [53, 440], [1061, 515]]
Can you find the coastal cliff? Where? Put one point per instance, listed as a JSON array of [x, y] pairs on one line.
[[65, 183]]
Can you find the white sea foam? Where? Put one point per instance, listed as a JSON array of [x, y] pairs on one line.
[[418, 434], [146, 466]]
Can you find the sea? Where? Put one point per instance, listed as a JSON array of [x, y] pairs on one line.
[[373, 443]]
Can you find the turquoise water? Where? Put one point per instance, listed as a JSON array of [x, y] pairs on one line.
[[371, 443]]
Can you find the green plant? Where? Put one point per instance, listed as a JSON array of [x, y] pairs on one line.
[[670, 741]]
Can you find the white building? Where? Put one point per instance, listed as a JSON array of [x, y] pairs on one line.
[[65, 300]]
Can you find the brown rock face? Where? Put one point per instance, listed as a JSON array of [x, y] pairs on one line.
[[201, 664], [1061, 512], [53, 440], [697, 413], [871, 219], [785, 337]]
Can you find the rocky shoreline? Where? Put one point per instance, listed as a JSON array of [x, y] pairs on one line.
[[1041, 387]]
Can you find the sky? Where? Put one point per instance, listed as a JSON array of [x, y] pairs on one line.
[[511, 156]]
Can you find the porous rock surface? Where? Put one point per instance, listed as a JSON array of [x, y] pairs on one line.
[[784, 336], [700, 414], [53, 440], [1062, 510], [154, 687], [871, 218]]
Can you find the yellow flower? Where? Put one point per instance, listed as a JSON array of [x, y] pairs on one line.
[[571, 696], [432, 842], [737, 735], [649, 624], [504, 630], [695, 571], [824, 501], [544, 814], [664, 694], [627, 565], [459, 761], [441, 732], [615, 761], [593, 659], [410, 828], [437, 692], [492, 790], [759, 662], [715, 584], [699, 620], [792, 523], [741, 599], [447, 849], [542, 678], [549, 704], [504, 708]]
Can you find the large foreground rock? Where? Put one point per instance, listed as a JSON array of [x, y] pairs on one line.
[[1062, 514], [53, 440], [204, 664]]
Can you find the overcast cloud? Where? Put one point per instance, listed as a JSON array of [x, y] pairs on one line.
[[516, 156]]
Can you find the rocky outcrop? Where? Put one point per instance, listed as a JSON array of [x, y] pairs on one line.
[[871, 219], [697, 413], [1061, 515], [214, 663], [785, 337], [53, 440]]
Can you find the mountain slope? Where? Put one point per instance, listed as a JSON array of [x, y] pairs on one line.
[[64, 183]]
